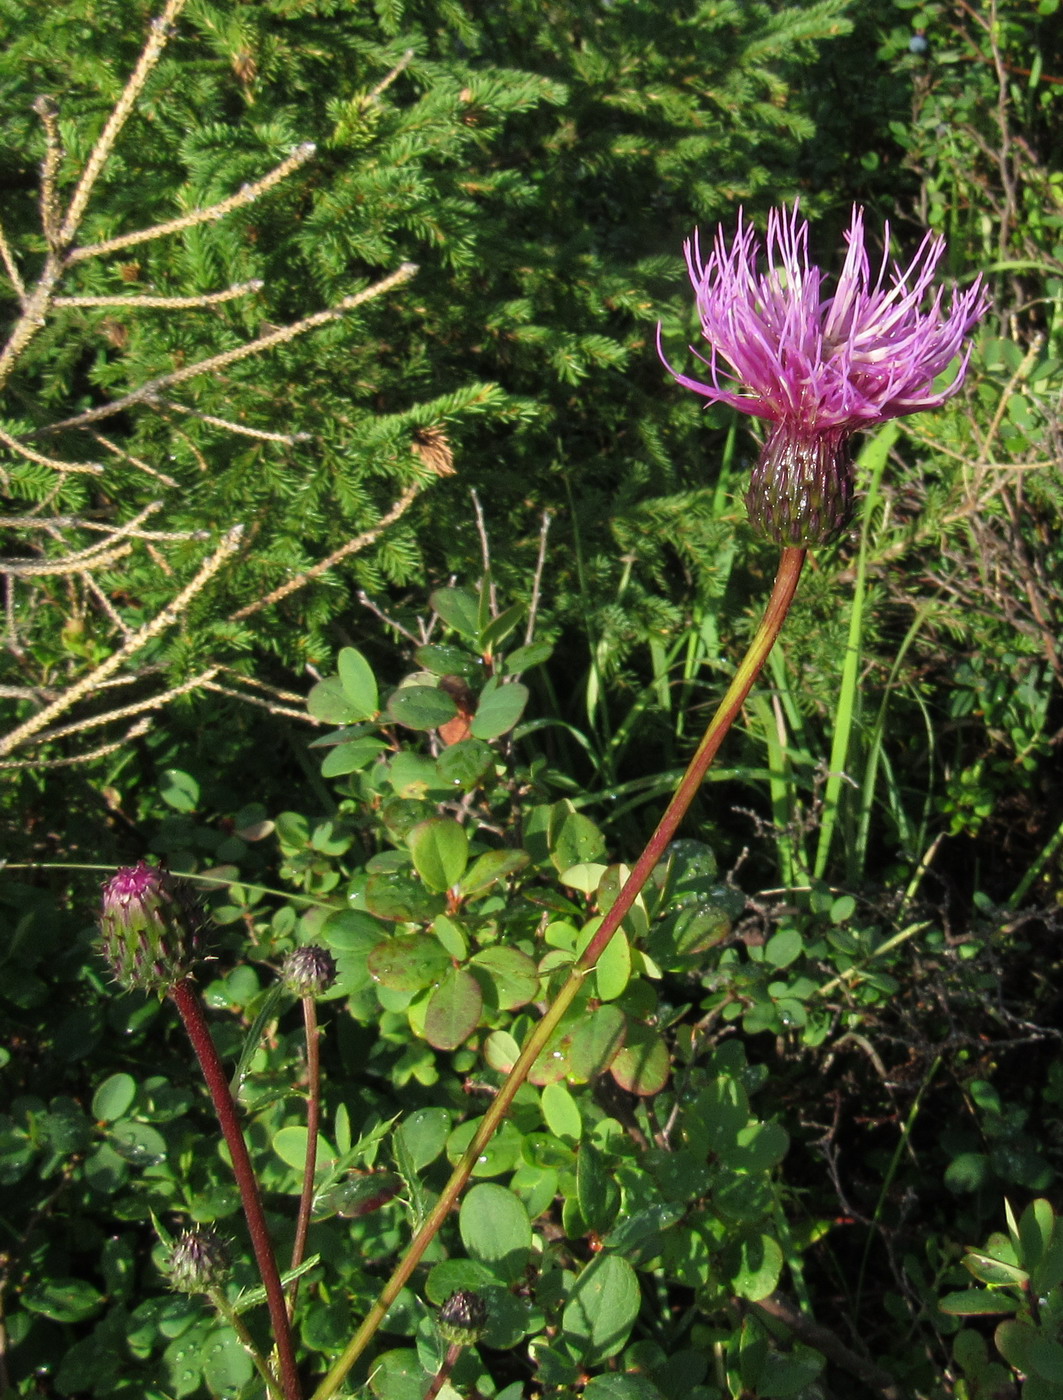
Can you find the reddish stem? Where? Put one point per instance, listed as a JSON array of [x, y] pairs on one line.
[[184, 997]]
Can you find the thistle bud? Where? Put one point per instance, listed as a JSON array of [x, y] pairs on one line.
[[150, 926], [198, 1261], [308, 972], [463, 1318], [801, 489]]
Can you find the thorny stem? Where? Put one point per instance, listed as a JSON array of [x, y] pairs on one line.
[[782, 594], [184, 997], [313, 1124]]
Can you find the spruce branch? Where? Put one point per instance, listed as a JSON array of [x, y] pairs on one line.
[[165, 618], [239, 289], [354, 546], [247, 194], [147, 392]]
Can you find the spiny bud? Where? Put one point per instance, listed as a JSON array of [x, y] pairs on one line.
[[198, 1261], [463, 1318], [309, 971], [801, 489], [150, 927]]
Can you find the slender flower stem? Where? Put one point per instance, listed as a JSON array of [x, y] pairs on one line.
[[441, 1377], [782, 594], [232, 1317], [313, 1124], [184, 997]]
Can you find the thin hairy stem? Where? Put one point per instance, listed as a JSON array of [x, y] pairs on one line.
[[236, 1322], [184, 997], [790, 566], [313, 1125], [441, 1377]]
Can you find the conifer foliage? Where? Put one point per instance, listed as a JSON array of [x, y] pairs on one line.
[[242, 401]]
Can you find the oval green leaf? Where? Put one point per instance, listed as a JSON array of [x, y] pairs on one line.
[[641, 1067], [602, 1308], [496, 1231], [500, 707], [453, 1010], [513, 975], [358, 682], [440, 851], [113, 1098], [421, 707], [408, 963]]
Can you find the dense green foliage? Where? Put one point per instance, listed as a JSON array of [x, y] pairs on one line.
[[825, 1048]]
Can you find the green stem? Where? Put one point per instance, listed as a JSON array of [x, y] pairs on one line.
[[782, 594], [236, 1322], [313, 1124], [184, 997]]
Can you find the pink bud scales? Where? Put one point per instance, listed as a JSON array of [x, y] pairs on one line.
[[820, 367]]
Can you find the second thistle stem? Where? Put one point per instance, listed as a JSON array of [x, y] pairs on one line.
[[782, 594], [313, 1123], [184, 997]]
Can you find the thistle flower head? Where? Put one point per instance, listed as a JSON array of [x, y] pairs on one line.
[[308, 971], [150, 926], [463, 1318], [818, 366], [198, 1260]]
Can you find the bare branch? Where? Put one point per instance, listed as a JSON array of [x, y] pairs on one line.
[[354, 546], [99, 556], [43, 764], [152, 388], [533, 607], [76, 522], [240, 289], [48, 112], [290, 439], [154, 702], [133, 461], [270, 705], [247, 194], [11, 268], [89, 468], [161, 29], [165, 618], [386, 81]]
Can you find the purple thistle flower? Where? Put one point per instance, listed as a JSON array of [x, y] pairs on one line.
[[819, 368]]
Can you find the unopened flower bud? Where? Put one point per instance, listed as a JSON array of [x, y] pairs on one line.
[[150, 926], [463, 1318], [801, 489], [198, 1261], [308, 972]]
